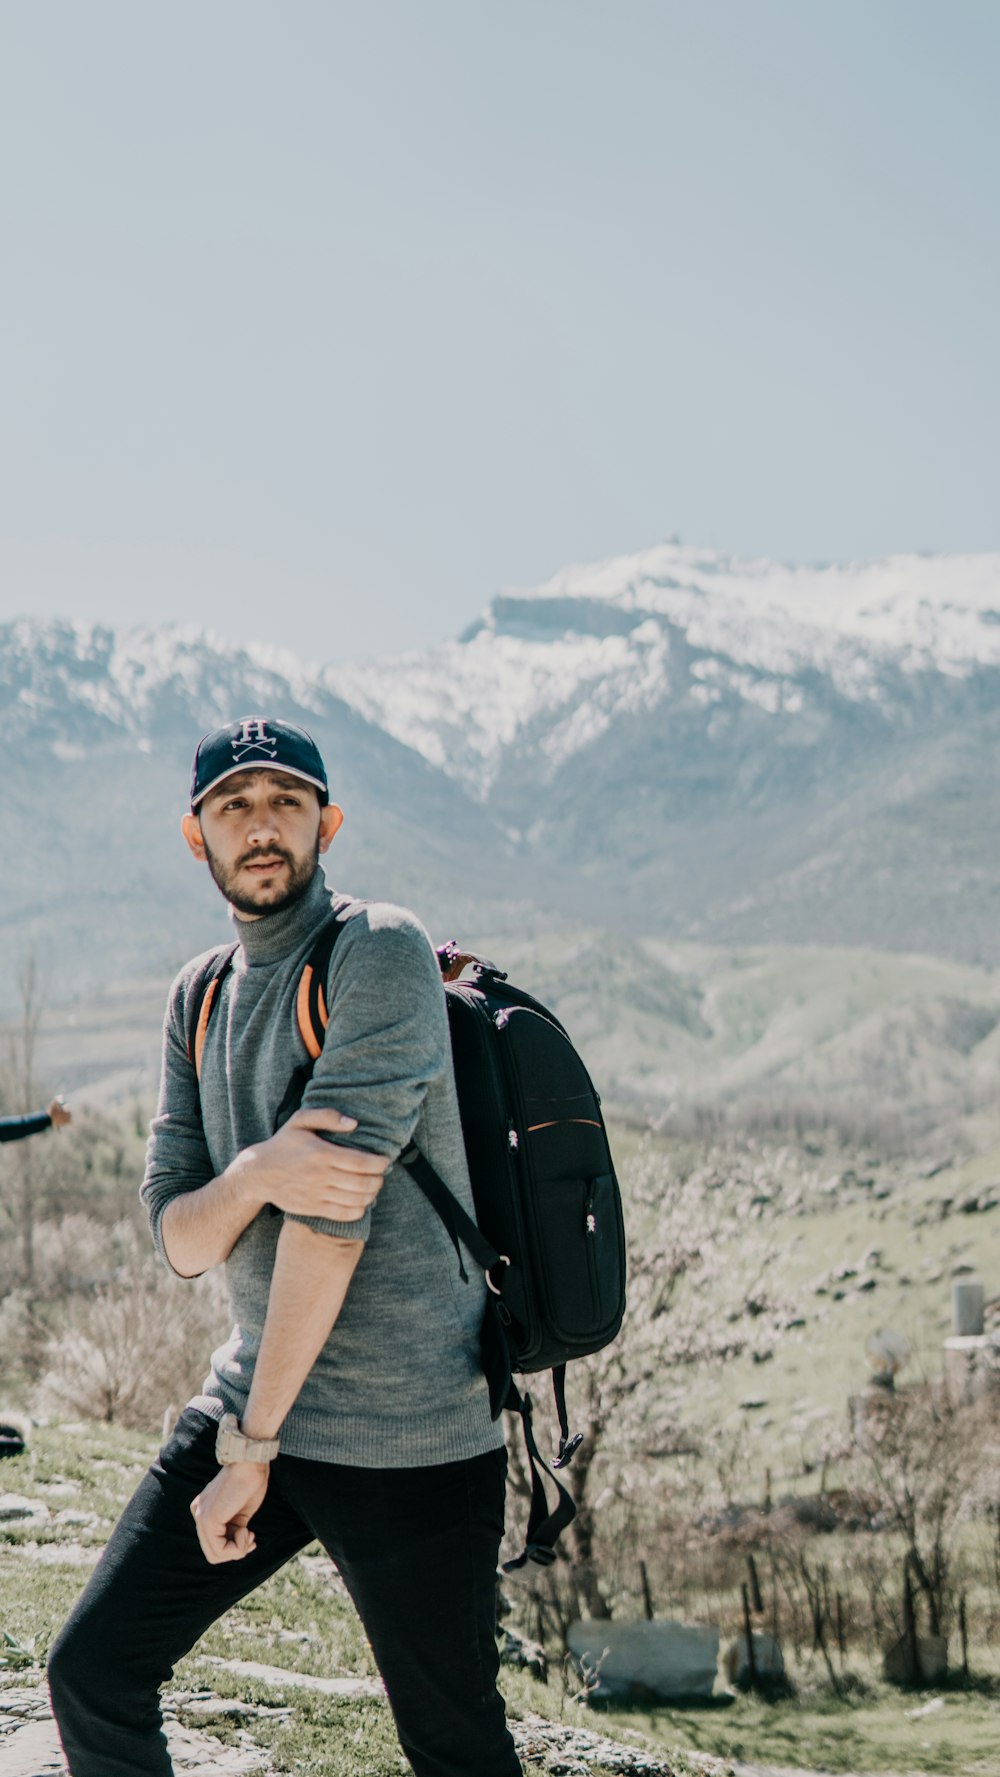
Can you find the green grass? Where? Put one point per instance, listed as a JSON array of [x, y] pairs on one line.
[[818, 1731], [821, 1220], [301, 1622]]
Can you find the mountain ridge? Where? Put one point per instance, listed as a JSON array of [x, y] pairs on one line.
[[671, 742]]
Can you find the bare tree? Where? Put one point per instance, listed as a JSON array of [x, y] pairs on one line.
[[692, 1305], [21, 1054], [929, 1461]]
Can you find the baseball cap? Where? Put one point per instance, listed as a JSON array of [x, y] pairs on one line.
[[256, 743]]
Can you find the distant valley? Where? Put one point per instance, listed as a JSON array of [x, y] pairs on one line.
[[659, 759]]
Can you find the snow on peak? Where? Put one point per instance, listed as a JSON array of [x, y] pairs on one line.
[[555, 664]]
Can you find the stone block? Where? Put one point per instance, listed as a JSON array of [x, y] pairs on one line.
[[933, 1654], [644, 1661], [768, 1659]]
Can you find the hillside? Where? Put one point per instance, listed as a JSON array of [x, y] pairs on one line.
[[876, 1045], [673, 744]]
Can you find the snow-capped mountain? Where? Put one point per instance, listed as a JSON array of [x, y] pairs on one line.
[[99, 730], [673, 741], [556, 666]]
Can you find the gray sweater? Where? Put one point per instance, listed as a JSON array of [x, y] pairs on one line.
[[399, 1381]]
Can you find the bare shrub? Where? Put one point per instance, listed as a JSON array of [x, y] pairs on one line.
[[932, 1467], [692, 1305], [130, 1347]]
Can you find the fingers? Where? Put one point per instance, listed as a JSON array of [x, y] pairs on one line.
[[355, 1160], [221, 1541], [332, 1121], [323, 1122]]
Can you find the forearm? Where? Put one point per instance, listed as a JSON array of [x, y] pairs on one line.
[[200, 1228], [298, 1170], [16, 1128], [311, 1277]]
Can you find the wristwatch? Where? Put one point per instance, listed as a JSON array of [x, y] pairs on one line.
[[232, 1446]]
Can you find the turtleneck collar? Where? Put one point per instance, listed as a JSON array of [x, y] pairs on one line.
[[268, 940]]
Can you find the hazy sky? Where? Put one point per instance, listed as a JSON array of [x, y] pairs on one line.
[[322, 321]]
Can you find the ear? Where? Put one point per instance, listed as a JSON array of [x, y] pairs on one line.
[[330, 822], [191, 829]]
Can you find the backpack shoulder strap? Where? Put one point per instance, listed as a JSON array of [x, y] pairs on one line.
[[311, 1009], [458, 1223], [201, 999]]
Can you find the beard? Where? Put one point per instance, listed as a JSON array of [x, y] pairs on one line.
[[301, 871]]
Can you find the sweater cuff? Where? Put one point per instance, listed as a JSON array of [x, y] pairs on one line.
[[358, 1230]]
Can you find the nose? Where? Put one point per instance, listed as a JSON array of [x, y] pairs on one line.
[[263, 827]]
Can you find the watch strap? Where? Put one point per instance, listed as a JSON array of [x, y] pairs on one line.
[[232, 1445]]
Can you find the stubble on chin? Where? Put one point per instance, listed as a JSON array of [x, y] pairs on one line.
[[301, 875]]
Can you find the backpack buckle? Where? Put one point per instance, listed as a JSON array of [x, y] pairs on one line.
[[490, 1285], [568, 1448], [452, 959]]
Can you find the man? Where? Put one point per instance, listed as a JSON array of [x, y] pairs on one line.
[[16, 1128], [349, 1402]]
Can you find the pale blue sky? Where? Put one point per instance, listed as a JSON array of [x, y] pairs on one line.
[[320, 322]]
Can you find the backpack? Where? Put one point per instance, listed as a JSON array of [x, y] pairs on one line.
[[549, 1232]]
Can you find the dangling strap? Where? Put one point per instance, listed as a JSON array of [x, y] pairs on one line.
[[544, 1527], [567, 1446]]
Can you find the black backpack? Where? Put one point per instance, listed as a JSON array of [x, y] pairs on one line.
[[549, 1233]]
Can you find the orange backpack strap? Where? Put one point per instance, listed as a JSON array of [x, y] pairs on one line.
[[311, 1010], [202, 999]]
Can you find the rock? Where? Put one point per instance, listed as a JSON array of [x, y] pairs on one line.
[[977, 1201], [30, 1745], [767, 1659], [972, 1367], [568, 1751], [930, 1708], [933, 1655], [15, 1509], [968, 1300], [646, 1661], [59, 1554], [284, 1679], [814, 1510], [524, 1655]]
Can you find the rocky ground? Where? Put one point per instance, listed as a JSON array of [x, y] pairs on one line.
[[29, 1745]]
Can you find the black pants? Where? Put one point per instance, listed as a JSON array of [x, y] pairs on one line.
[[416, 1548]]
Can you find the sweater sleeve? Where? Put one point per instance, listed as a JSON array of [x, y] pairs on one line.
[[387, 1039], [177, 1156], [16, 1128]]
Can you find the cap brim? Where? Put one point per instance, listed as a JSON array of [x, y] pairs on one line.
[[260, 765]]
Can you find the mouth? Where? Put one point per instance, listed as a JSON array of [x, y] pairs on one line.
[[264, 866]]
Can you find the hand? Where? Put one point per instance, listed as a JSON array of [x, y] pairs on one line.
[[222, 1512], [302, 1174], [59, 1114]]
